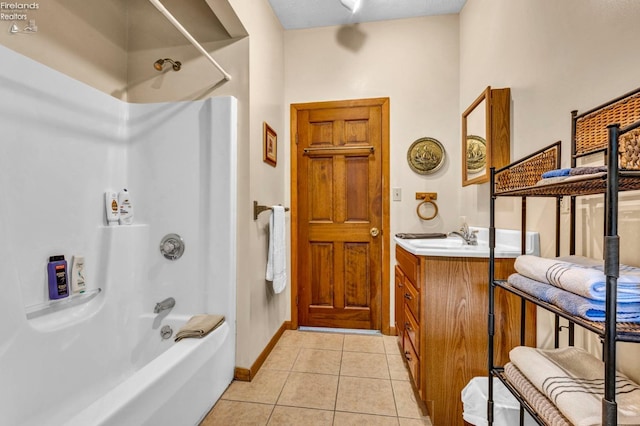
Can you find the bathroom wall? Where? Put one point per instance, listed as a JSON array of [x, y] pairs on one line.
[[87, 40], [414, 62], [556, 57], [260, 311]]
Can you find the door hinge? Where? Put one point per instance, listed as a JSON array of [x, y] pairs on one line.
[[296, 139], [296, 300]]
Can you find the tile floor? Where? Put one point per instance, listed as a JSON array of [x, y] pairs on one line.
[[315, 378]]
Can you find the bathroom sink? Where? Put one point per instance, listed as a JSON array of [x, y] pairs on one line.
[[507, 245], [438, 243]]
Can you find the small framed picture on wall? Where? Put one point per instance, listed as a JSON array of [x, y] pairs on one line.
[[270, 149]]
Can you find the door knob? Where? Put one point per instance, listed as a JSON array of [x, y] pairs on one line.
[[374, 232]]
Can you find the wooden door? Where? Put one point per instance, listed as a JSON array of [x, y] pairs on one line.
[[339, 201]]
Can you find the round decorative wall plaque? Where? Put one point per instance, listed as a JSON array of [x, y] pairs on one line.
[[476, 154], [425, 156]]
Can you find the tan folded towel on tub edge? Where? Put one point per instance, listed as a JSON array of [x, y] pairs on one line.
[[199, 326]]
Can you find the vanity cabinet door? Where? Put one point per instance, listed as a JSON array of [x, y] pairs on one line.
[[399, 302]]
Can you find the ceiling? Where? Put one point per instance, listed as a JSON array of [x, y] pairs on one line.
[[299, 14]]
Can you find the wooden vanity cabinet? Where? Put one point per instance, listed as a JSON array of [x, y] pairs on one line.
[[441, 316]]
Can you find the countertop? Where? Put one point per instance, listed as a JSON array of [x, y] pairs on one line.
[[507, 245]]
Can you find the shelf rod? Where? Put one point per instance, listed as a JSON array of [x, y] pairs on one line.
[[189, 37]]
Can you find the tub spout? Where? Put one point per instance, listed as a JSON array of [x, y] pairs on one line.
[[164, 305]]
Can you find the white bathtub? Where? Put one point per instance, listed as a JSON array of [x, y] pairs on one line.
[[177, 387]]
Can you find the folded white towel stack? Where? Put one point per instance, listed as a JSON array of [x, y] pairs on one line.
[[277, 260]]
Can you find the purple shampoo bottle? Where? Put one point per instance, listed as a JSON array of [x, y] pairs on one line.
[[58, 283]]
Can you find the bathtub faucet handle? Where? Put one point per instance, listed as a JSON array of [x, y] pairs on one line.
[[164, 305]]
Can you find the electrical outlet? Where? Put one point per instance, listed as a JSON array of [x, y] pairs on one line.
[[397, 194]]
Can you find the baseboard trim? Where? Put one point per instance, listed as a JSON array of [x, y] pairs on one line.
[[247, 374]]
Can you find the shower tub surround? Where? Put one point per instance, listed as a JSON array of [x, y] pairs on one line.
[[102, 358]]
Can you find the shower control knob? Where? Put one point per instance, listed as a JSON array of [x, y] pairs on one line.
[[172, 246], [168, 246]]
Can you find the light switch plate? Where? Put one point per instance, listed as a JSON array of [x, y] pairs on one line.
[[397, 194]]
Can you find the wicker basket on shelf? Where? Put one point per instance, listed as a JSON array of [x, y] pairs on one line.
[[591, 129], [528, 172], [630, 150]]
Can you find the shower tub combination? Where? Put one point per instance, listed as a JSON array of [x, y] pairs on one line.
[[100, 358]]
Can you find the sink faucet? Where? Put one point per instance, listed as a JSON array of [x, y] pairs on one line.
[[164, 305], [467, 235]]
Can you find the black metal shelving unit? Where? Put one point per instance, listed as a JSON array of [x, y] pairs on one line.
[[519, 180]]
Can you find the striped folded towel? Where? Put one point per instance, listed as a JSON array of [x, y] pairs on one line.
[[199, 326], [580, 275], [545, 408], [592, 310], [573, 380]]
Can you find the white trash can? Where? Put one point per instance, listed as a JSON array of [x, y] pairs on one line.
[[506, 408]]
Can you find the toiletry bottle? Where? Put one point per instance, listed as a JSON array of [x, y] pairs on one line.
[[126, 207], [77, 275], [57, 271], [111, 207]]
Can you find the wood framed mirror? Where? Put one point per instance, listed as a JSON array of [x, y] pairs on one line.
[[485, 135]]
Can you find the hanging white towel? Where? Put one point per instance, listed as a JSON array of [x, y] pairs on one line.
[[277, 260]]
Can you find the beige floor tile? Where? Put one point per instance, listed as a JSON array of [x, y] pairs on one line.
[[425, 421], [264, 388], [360, 343], [362, 364], [319, 340], [281, 358], [318, 361], [226, 413], [291, 338], [406, 402], [363, 395], [301, 377], [397, 368], [356, 419], [310, 390], [289, 416], [391, 345]]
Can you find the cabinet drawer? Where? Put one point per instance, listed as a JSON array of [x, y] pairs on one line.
[[412, 298], [412, 360], [412, 330], [409, 264]]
